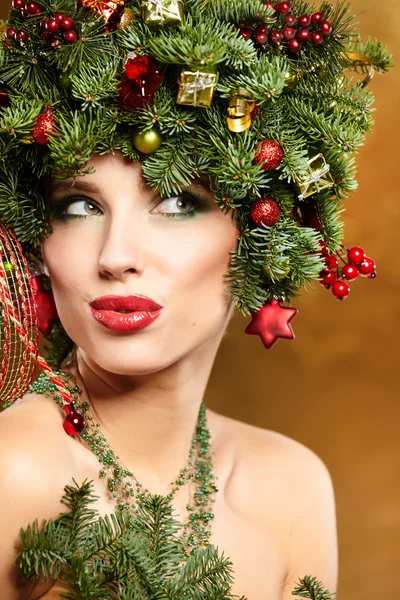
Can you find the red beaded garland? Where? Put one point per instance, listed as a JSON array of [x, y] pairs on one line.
[[288, 33], [70, 36], [265, 211], [367, 267], [340, 289], [317, 38], [355, 255], [269, 154], [283, 8], [305, 21], [350, 272], [294, 45], [304, 35]]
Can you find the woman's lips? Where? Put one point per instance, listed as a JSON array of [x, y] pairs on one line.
[[125, 313]]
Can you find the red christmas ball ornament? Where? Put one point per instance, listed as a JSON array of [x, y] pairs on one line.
[[32, 8], [355, 255], [23, 36], [283, 8], [367, 267], [288, 33], [276, 36], [325, 28], [18, 4], [271, 322], [44, 125], [269, 155], [265, 211], [317, 17], [74, 423], [294, 45], [328, 278], [350, 272], [290, 20], [305, 21], [52, 25], [66, 23], [245, 33], [261, 34], [304, 35], [317, 38], [331, 262], [340, 289], [11, 33], [70, 36]]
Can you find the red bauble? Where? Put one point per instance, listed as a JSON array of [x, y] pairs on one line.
[[317, 17], [46, 308], [283, 8], [261, 34], [317, 38], [328, 278], [74, 423], [290, 20], [70, 36], [305, 21], [355, 255], [294, 45], [66, 23], [331, 262], [276, 36], [367, 267], [44, 125], [272, 322], [288, 33], [350, 272], [265, 211], [142, 78], [325, 27], [304, 35], [269, 155], [340, 289], [245, 33]]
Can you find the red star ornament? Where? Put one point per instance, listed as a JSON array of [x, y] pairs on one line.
[[271, 322]]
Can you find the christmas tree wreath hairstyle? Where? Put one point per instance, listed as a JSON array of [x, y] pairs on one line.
[[258, 97]]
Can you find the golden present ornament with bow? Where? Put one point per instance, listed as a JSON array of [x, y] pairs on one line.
[[162, 12], [317, 179], [196, 88]]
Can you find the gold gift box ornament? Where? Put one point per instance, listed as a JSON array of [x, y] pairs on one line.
[[240, 105], [162, 12], [317, 179], [196, 88]]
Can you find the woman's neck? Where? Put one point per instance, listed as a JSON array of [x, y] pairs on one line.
[[148, 420]]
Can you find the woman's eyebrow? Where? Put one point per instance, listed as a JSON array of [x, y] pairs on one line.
[[67, 184]]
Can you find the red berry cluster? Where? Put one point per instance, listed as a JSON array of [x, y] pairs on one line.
[[58, 28], [358, 264], [294, 30]]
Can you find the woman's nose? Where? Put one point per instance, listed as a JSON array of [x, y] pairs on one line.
[[121, 253]]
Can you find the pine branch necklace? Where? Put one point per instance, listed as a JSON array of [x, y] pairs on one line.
[[122, 484]]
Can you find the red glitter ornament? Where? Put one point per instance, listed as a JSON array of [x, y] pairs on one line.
[[44, 125], [74, 423], [269, 155], [141, 80], [46, 308], [265, 211], [272, 322]]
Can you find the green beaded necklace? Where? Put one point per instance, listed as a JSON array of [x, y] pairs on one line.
[[122, 484]]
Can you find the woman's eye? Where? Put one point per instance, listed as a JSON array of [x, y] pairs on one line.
[[77, 208], [177, 205]]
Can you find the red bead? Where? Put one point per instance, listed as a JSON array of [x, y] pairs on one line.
[[325, 28], [52, 25], [74, 423], [245, 33], [350, 272], [294, 45], [340, 289], [32, 8], [70, 36], [276, 36], [11, 33], [288, 33], [304, 35], [66, 23], [328, 278], [290, 20], [22, 36], [324, 248], [317, 17], [283, 8], [58, 17], [261, 34], [269, 154], [367, 267], [18, 4], [317, 38], [265, 211], [331, 262], [305, 21], [355, 255]]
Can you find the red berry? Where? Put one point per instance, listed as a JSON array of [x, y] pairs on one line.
[[317, 38], [261, 34], [245, 33], [367, 267], [22, 36], [52, 26], [18, 4], [290, 20], [32, 8], [327, 278], [294, 45], [43, 23], [350, 272], [304, 20], [265, 211], [303, 35], [276, 36], [56, 43], [66, 23], [288, 33], [331, 262], [70, 36], [58, 17], [270, 5], [355, 255], [324, 248], [317, 17], [283, 8], [340, 289], [46, 35], [11, 33], [325, 28]]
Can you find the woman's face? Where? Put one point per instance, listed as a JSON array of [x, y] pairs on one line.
[[114, 236]]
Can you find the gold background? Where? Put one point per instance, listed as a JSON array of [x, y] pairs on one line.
[[335, 388]]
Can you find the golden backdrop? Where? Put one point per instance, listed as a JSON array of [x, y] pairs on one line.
[[335, 388]]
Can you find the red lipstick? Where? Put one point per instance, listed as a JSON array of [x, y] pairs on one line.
[[125, 313]]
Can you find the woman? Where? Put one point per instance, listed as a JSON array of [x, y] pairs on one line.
[[137, 253]]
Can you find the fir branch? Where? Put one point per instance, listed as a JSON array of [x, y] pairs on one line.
[[26, 69], [96, 83], [18, 119], [134, 38], [58, 347], [375, 52], [310, 587], [251, 11]]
